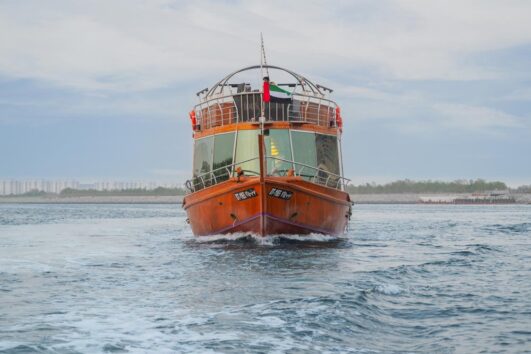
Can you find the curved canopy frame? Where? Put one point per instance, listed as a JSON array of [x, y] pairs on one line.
[[306, 84]]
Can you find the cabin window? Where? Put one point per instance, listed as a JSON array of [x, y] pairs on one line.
[[327, 154], [247, 149], [278, 147], [304, 152], [310, 150], [223, 150], [316, 150], [203, 150]]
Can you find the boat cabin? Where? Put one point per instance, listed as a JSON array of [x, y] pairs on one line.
[[301, 130]]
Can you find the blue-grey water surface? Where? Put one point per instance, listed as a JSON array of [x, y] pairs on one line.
[[132, 278]]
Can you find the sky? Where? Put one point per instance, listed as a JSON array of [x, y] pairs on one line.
[[428, 89]]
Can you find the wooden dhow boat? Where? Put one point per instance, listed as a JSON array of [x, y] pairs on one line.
[[267, 159]]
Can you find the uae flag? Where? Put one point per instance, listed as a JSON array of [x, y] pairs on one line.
[[275, 94]]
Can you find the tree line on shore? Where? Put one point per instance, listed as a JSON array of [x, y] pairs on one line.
[[159, 191], [401, 186], [417, 187]]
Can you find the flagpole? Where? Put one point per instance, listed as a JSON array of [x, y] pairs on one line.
[[261, 56], [262, 106]]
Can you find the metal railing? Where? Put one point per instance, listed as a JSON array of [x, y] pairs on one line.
[[318, 176], [216, 176], [247, 107]]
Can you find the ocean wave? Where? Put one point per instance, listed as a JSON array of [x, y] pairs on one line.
[[509, 228], [482, 248], [388, 289], [392, 284]]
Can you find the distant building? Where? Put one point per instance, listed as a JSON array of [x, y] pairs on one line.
[[17, 187]]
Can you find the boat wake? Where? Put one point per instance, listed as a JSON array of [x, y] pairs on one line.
[[270, 240]]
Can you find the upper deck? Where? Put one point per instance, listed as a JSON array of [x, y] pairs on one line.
[[234, 103], [300, 125]]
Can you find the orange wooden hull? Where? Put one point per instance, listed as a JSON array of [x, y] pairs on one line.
[[275, 205]]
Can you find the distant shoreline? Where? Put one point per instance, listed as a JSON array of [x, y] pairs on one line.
[[144, 199], [414, 198], [396, 198]]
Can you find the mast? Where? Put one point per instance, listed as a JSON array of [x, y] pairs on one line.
[[263, 60], [262, 63]]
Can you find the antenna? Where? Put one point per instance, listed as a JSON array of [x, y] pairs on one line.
[[262, 63], [263, 60]]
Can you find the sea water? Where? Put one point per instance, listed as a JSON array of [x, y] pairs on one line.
[[132, 278]]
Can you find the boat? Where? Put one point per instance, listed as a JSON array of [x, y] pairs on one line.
[[267, 157]]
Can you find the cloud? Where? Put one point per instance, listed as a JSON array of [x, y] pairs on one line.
[[138, 45], [474, 118], [126, 48], [364, 92], [417, 113], [518, 95], [107, 51]]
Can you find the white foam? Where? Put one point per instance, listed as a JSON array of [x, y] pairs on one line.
[[225, 237], [269, 240], [272, 321], [310, 237], [388, 289]]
